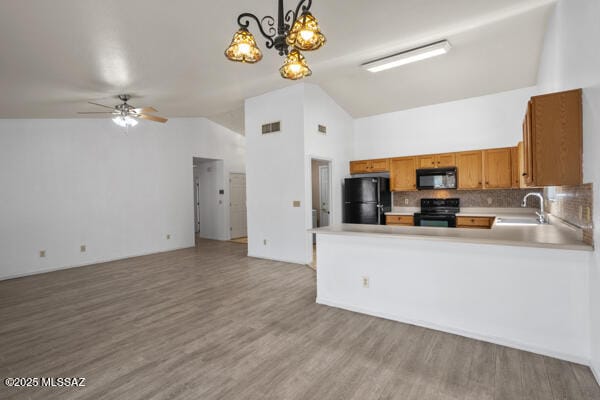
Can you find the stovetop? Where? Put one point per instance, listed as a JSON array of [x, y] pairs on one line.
[[440, 206]]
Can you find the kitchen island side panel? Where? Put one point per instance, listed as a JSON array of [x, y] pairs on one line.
[[534, 299]]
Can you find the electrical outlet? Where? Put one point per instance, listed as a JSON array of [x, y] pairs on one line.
[[168, 236], [406, 201], [489, 201], [296, 203], [264, 242], [365, 282], [82, 248], [42, 253], [581, 213]]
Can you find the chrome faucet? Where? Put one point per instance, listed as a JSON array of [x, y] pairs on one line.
[[542, 219]]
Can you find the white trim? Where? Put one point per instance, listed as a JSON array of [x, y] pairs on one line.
[[473, 335], [595, 371], [278, 259], [46, 270]]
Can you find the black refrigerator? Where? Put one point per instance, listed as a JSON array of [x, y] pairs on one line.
[[366, 200]]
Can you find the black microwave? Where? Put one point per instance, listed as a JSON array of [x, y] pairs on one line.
[[436, 178]]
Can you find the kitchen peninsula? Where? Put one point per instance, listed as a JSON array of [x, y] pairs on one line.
[[521, 286]]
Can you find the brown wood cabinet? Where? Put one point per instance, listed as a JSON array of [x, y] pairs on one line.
[[469, 165], [514, 162], [405, 220], [475, 222], [497, 168], [403, 174], [436, 161], [370, 166], [553, 140]]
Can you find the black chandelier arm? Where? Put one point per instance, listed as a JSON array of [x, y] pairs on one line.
[[301, 5], [259, 22]]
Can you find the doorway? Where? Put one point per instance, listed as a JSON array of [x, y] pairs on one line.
[[321, 199], [210, 220], [237, 206]]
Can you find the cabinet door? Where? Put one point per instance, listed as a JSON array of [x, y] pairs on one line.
[[497, 168], [445, 160], [426, 161], [469, 165], [514, 162], [527, 148], [359, 167], [381, 165], [403, 174], [556, 139]]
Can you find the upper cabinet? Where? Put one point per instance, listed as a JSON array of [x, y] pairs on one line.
[[370, 166], [469, 165], [497, 168], [403, 174], [436, 161], [552, 140]]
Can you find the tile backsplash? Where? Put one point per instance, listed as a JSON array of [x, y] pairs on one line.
[[572, 204], [510, 198]]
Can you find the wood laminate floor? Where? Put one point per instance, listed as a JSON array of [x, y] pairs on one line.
[[211, 323]]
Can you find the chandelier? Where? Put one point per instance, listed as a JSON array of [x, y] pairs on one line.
[[296, 29]]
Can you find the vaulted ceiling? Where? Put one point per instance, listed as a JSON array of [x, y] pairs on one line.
[[56, 55]]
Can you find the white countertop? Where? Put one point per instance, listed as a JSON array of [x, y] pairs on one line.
[[556, 235], [472, 211]]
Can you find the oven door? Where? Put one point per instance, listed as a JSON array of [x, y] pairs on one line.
[[438, 221]]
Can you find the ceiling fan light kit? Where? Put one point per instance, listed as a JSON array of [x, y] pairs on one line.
[[126, 115], [294, 29]]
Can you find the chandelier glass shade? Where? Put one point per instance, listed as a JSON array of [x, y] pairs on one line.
[[305, 33], [297, 29], [295, 66], [243, 48]]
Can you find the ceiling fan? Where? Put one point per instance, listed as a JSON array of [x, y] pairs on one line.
[[125, 114]]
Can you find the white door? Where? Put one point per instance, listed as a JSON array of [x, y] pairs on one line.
[[324, 195], [237, 205]]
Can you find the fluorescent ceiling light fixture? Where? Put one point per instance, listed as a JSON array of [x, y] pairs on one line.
[[408, 56]]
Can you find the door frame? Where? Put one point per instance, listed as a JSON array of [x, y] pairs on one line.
[[321, 167], [308, 199]]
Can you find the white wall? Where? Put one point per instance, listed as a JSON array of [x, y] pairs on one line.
[[275, 176], [476, 123], [335, 146], [68, 182], [571, 59], [279, 167]]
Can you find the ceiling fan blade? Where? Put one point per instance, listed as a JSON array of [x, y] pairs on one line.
[[142, 110], [154, 118], [100, 105], [95, 112]]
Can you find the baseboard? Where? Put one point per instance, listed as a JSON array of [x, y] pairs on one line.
[[277, 259], [596, 371], [473, 335], [46, 270]]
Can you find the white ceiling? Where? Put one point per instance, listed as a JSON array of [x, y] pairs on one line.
[[56, 55]]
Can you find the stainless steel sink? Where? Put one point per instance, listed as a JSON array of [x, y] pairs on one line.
[[517, 221]]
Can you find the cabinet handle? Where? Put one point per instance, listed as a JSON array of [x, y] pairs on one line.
[[524, 174], [487, 183], [479, 183]]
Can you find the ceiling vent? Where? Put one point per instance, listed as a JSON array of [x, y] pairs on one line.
[[322, 129], [271, 127]]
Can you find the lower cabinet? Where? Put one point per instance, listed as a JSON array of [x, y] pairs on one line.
[[405, 220], [475, 222]]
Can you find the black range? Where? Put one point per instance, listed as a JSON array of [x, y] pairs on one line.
[[438, 213]]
